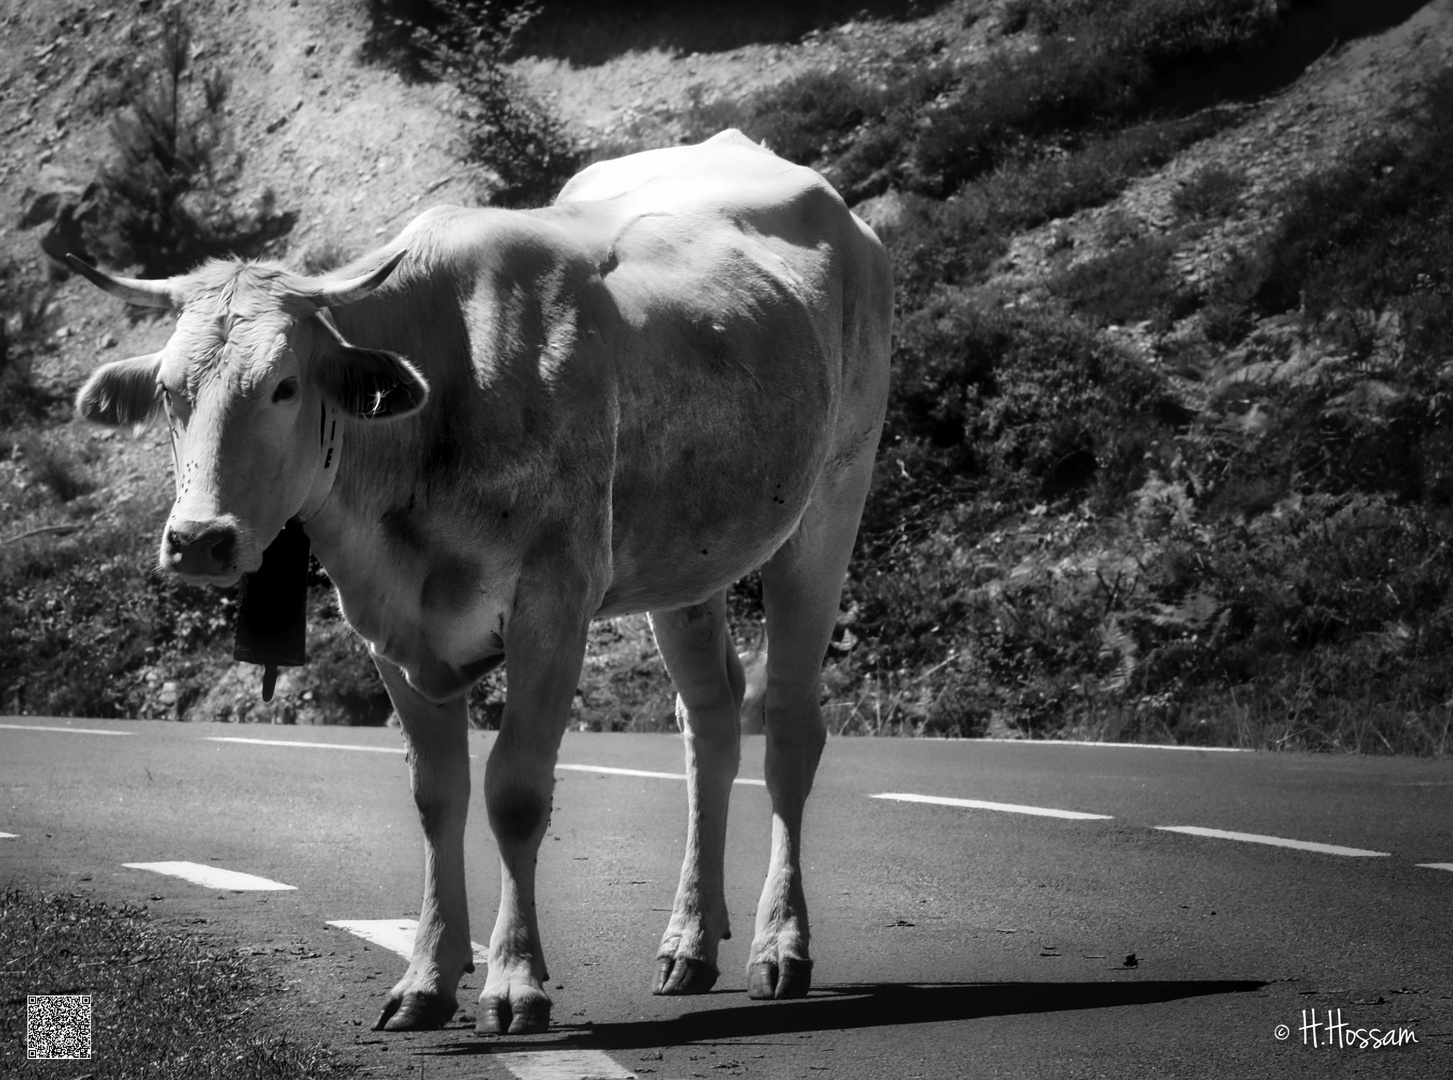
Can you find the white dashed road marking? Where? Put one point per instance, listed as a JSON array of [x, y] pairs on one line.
[[211, 877], [1437, 865], [68, 730], [1008, 808], [650, 775], [313, 745], [1275, 841], [1117, 745], [565, 1065], [8, 836], [396, 935]]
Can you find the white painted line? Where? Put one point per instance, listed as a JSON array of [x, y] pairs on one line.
[[1119, 745], [1275, 841], [8, 836], [1009, 808], [212, 877], [70, 730], [313, 745], [1427, 865], [565, 1065], [397, 935], [650, 775], [623, 772]]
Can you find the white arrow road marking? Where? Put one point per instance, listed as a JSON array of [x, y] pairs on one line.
[[1437, 865], [1275, 841], [397, 935], [1008, 808], [68, 730], [313, 745], [212, 877], [643, 772], [565, 1065]]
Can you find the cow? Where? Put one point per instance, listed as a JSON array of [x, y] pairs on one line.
[[506, 423]]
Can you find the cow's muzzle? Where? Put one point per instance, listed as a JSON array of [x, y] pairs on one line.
[[201, 549]]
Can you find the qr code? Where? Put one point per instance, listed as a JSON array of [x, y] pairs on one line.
[[58, 1026]]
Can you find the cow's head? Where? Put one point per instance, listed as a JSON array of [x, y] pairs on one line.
[[250, 375]]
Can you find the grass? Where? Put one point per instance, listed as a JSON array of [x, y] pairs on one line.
[[164, 1003]]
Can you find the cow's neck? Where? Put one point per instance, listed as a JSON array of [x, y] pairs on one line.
[[330, 451]]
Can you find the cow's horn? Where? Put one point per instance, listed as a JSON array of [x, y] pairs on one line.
[[337, 294], [157, 294]]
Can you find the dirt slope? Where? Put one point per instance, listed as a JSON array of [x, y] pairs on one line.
[[1350, 94], [354, 150]]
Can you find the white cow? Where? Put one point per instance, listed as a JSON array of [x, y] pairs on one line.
[[507, 423]]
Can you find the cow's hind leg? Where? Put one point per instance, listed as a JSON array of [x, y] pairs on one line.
[[696, 645], [438, 737], [801, 590]]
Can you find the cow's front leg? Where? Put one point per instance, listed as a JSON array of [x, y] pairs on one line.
[[544, 656], [438, 737]]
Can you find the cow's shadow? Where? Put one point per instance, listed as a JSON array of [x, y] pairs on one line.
[[857, 1006]]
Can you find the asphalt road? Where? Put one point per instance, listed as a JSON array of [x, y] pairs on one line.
[[950, 940]]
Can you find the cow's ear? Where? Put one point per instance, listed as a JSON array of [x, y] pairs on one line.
[[122, 393], [370, 383]]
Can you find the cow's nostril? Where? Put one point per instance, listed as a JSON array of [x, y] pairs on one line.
[[200, 547], [222, 546]]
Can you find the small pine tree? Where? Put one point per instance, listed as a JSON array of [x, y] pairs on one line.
[[159, 194], [516, 136]]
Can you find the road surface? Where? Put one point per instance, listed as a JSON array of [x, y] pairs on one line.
[[979, 908]]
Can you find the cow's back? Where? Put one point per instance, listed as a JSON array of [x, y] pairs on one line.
[[753, 355]]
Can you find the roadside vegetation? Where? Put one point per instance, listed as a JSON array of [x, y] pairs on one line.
[[1242, 542], [164, 1003]]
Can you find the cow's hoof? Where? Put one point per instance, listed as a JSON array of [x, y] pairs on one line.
[[416, 1011], [792, 978], [684, 975], [522, 1013]]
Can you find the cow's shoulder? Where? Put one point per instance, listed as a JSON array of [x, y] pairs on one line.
[[455, 241]]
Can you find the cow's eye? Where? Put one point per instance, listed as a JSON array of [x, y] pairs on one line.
[[286, 390]]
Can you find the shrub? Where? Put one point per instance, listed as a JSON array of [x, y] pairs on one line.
[[1358, 400], [1128, 284], [514, 135], [168, 198], [956, 241], [853, 129], [1210, 192], [1094, 67], [1032, 189], [26, 308], [56, 467]]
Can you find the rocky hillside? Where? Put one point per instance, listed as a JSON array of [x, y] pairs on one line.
[[1108, 244]]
